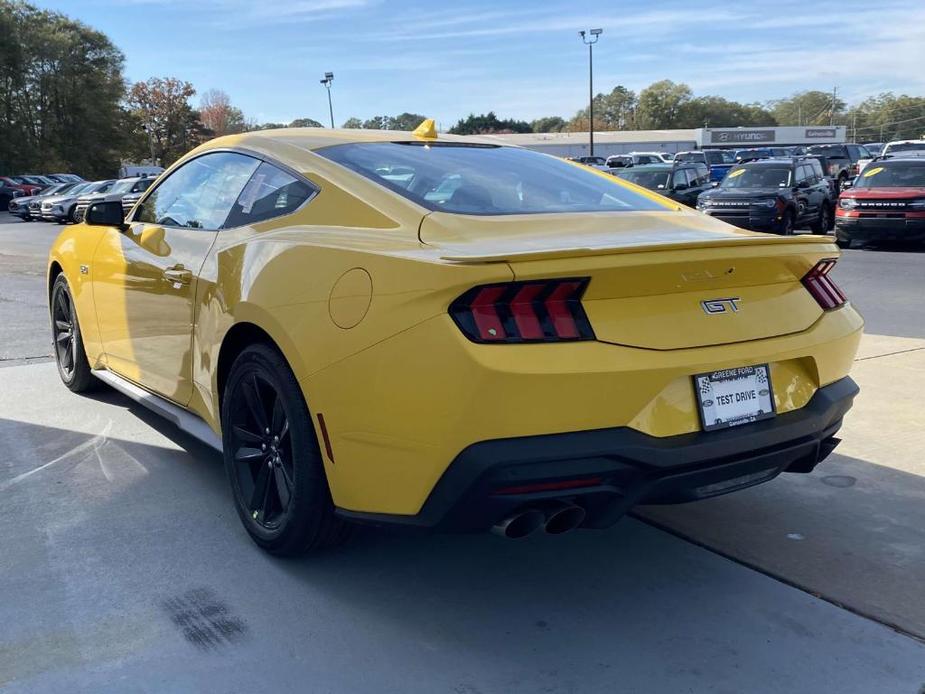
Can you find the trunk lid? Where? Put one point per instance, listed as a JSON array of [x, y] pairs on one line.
[[651, 272]]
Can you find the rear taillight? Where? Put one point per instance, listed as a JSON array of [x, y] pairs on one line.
[[536, 311], [818, 283]]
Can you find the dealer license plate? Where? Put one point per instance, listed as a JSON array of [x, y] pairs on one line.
[[731, 397]]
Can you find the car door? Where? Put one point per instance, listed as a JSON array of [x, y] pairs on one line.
[[145, 277], [801, 194], [679, 186]]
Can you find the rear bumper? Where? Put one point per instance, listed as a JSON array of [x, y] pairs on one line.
[[625, 467], [879, 229]]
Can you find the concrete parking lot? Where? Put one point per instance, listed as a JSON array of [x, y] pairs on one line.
[[124, 567]]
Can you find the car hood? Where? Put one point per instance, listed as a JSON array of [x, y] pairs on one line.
[[55, 199], [469, 238], [742, 193], [885, 193]]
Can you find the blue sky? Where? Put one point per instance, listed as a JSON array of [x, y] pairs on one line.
[[520, 59]]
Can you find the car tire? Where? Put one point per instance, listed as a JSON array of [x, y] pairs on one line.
[[273, 460], [824, 222], [786, 224], [842, 243], [67, 340]]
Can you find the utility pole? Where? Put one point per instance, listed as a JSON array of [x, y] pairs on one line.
[[590, 38], [328, 78], [832, 115]]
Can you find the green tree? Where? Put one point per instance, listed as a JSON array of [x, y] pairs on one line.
[[887, 117], [352, 123], [548, 124], [613, 111], [808, 108], [305, 123], [661, 105], [161, 105], [403, 121], [61, 86], [717, 112], [487, 123]]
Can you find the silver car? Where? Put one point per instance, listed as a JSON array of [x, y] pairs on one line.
[[63, 208], [20, 207], [130, 188]]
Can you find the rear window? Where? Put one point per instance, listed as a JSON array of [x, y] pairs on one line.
[[691, 156], [883, 174], [485, 179], [829, 150], [654, 180]]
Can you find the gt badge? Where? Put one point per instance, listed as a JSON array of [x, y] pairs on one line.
[[727, 304]]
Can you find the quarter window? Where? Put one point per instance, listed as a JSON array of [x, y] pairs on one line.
[[200, 194], [269, 193]]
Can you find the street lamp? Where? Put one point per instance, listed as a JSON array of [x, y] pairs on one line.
[[328, 78], [590, 38]]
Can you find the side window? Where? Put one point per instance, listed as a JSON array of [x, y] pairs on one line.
[[142, 185], [817, 168], [854, 152], [679, 178], [800, 174], [703, 175], [270, 193], [199, 194], [865, 153]]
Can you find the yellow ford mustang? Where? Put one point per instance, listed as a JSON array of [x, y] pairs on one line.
[[446, 333]]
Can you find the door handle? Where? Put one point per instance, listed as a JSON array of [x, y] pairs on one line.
[[177, 274]]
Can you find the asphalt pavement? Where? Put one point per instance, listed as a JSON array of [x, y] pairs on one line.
[[123, 566]]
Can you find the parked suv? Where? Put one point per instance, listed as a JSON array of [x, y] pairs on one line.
[[681, 182], [20, 207], [119, 190], [843, 160], [719, 161], [62, 208], [7, 193], [777, 195], [886, 202]]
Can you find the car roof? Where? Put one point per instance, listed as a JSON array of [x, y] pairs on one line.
[[656, 167]]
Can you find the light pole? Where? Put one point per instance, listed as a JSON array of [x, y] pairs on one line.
[[328, 78], [590, 38]]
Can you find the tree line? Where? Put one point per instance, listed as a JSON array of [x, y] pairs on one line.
[[65, 105]]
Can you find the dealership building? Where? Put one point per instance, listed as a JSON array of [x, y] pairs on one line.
[[621, 141]]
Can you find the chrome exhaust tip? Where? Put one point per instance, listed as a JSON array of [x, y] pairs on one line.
[[563, 518], [520, 524]]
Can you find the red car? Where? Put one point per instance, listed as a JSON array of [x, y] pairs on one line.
[[26, 188], [886, 203]]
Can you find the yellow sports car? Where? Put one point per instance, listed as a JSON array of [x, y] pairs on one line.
[[441, 332]]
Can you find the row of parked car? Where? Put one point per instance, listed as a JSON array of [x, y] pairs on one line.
[[67, 202], [863, 195], [30, 184]]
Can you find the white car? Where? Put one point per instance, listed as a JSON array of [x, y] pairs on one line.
[[902, 146], [648, 158]]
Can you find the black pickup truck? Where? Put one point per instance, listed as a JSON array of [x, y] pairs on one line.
[[841, 161]]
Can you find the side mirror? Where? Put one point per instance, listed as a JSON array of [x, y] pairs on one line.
[[105, 214], [847, 183]]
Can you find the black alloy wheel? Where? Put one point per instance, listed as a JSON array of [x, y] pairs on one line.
[[262, 450], [272, 457], [68, 344], [824, 223]]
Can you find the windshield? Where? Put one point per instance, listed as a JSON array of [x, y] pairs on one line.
[[757, 177], [80, 188], [892, 175], [123, 186], [485, 179], [653, 180], [752, 154], [691, 156], [904, 147]]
